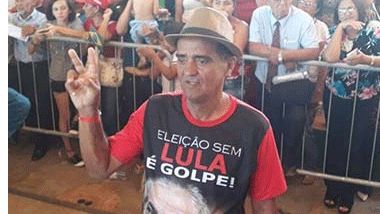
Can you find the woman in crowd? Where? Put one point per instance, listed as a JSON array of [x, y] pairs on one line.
[[233, 85], [99, 18], [318, 76], [184, 8], [62, 21], [351, 95]]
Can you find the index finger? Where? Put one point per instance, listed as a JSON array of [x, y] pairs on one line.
[[76, 61], [92, 61]]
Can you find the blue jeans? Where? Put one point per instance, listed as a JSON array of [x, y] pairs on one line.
[[18, 109]]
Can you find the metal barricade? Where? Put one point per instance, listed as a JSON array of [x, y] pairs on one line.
[[322, 173], [118, 47], [122, 46]]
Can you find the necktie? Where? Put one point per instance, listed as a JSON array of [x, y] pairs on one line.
[[272, 69]]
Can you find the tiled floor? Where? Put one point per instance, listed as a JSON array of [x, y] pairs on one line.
[[52, 185]]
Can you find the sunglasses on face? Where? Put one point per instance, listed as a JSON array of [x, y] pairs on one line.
[[307, 4]]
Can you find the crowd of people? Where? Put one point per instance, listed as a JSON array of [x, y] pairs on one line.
[[284, 32]]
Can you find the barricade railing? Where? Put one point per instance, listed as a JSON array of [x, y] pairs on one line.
[[118, 46], [133, 46], [375, 145]]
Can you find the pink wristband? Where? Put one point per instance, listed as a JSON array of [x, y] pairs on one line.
[[92, 119]]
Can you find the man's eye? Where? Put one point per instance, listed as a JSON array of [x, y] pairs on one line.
[[181, 59], [201, 61]]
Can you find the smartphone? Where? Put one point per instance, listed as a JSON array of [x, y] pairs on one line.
[[44, 30], [353, 52]]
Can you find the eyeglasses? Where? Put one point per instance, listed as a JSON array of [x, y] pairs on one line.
[[279, 1], [307, 4], [346, 10]]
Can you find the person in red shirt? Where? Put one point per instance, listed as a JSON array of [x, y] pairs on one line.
[[245, 8], [99, 17], [205, 146]]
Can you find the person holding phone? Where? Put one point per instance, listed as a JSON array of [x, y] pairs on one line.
[[62, 21]]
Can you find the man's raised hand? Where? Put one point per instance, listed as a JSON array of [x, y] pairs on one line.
[[83, 83]]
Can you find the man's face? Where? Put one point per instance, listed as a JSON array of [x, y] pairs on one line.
[[201, 70], [309, 6], [280, 8], [25, 7]]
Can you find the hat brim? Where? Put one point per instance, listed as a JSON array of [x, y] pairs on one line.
[[172, 39]]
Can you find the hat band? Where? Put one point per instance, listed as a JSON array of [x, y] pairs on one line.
[[202, 31]]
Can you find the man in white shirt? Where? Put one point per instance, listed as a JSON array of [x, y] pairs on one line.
[[297, 42], [33, 71]]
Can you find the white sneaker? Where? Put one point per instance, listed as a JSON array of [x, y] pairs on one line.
[[363, 196]]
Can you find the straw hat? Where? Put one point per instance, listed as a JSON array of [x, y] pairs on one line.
[[208, 23]]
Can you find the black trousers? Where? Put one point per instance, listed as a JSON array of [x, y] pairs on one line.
[[339, 131], [35, 86], [33, 79], [289, 119]]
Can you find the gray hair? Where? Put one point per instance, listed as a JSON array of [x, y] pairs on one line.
[[197, 199]]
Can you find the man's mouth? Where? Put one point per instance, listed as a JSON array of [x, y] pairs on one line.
[[191, 81]]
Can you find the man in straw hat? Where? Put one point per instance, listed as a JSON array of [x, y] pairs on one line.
[[203, 149]]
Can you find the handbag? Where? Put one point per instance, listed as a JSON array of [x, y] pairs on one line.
[[111, 71]]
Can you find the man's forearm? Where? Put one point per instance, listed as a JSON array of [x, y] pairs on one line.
[[94, 149], [300, 54], [266, 51], [259, 49], [122, 22]]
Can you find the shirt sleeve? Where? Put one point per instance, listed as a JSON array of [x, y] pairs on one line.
[[112, 27], [254, 32], [127, 144], [77, 25], [268, 181], [309, 34], [87, 25]]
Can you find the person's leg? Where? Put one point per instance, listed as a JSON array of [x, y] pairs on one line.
[[28, 89], [346, 198], [18, 109], [44, 98], [109, 109], [292, 129], [337, 149], [363, 144], [62, 101]]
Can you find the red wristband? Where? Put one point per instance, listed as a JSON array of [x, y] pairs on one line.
[[92, 119]]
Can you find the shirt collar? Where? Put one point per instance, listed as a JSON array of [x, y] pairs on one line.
[[31, 16], [282, 21]]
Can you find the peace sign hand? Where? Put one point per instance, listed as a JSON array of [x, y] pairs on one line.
[[83, 83]]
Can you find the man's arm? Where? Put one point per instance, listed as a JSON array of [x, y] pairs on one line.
[[122, 22], [271, 53], [103, 28], [95, 150], [159, 67], [178, 10], [84, 88], [264, 207], [156, 7]]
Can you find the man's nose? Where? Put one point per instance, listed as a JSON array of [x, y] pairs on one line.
[[191, 68]]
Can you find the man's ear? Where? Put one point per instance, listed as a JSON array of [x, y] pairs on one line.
[[97, 8], [231, 65]]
